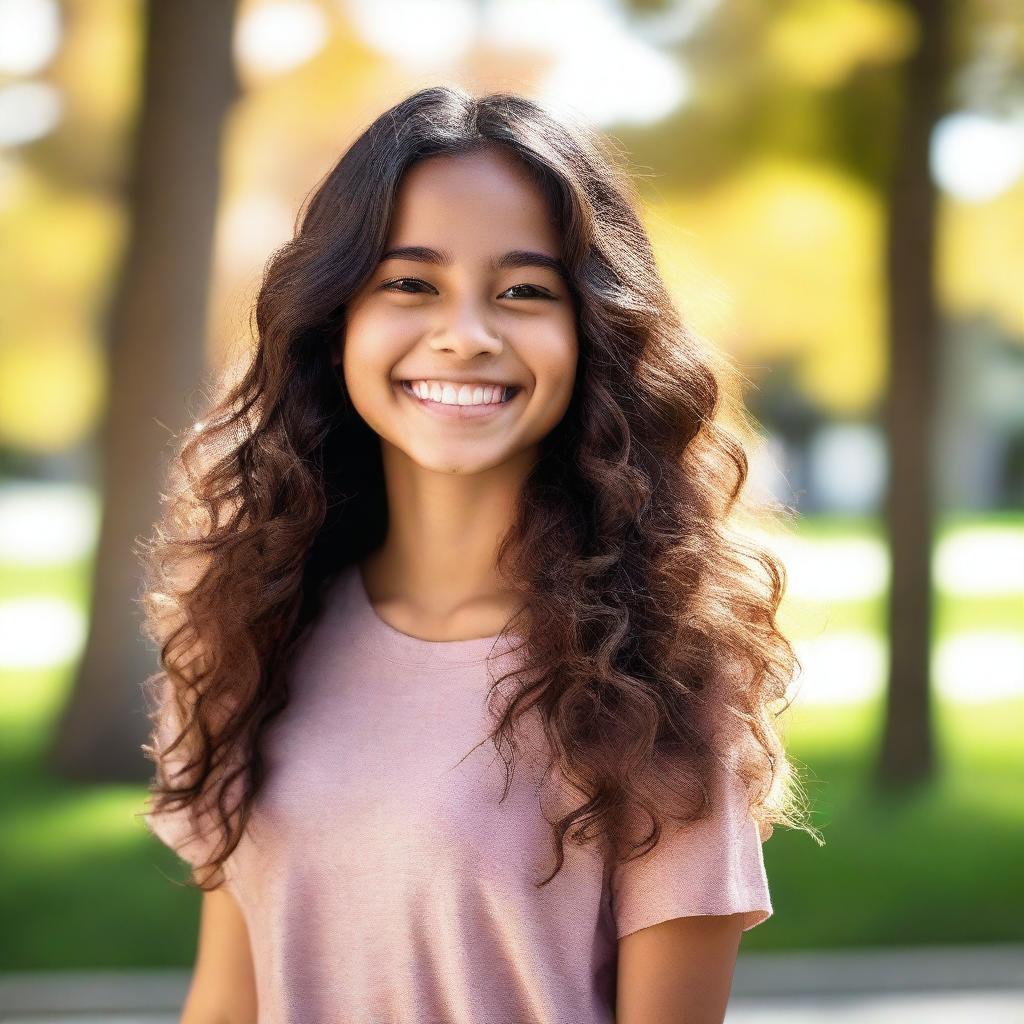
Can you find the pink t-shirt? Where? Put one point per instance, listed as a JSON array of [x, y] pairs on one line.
[[381, 880]]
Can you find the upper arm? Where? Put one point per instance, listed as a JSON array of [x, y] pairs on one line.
[[679, 971], [223, 989]]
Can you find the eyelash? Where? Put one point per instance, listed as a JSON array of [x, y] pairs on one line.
[[387, 285]]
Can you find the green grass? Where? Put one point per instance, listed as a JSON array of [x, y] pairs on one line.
[[938, 863], [84, 884]]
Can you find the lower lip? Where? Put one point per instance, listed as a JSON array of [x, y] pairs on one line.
[[459, 412]]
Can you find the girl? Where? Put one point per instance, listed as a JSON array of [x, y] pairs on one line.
[[469, 499]]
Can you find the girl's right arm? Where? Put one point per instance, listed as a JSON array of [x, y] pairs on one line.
[[223, 989]]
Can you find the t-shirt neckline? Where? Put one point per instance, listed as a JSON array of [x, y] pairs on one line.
[[387, 642]]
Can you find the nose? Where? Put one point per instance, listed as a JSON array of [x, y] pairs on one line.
[[465, 331]]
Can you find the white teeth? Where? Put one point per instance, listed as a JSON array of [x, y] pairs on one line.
[[454, 394]]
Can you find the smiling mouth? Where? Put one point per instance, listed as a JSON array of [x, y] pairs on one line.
[[509, 393]]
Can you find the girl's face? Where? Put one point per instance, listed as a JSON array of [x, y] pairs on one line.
[[467, 301]]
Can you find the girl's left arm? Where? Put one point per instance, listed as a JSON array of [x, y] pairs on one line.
[[678, 971]]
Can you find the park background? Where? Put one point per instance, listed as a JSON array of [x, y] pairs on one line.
[[835, 192]]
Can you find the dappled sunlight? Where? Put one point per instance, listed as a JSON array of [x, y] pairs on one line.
[[39, 632], [978, 261], [980, 666], [850, 667], [831, 569], [838, 668], [819, 44], [421, 36], [28, 111], [976, 158], [982, 561], [47, 524], [53, 373], [271, 38], [790, 250], [29, 35], [599, 68]]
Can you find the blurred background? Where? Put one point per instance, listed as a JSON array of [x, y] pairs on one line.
[[835, 191]]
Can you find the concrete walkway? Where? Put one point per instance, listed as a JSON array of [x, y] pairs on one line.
[[942, 985]]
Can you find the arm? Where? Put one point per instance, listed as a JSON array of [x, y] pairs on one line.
[[223, 989], [679, 971]]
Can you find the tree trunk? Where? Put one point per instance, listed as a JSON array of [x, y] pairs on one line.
[[157, 357], [907, 750]]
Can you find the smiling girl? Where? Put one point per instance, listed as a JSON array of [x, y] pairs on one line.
[[468, 692]]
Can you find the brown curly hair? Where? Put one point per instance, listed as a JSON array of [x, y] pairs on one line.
[[651, 648]]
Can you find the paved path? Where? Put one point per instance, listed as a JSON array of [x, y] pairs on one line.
[[943, 985], [948, 1008]]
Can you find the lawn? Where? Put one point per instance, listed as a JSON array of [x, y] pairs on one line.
[[84, 884]]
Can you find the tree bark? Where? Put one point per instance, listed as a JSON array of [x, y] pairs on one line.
[[907, 748], [157, 326]]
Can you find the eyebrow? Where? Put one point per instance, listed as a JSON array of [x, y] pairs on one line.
[[512, 259]]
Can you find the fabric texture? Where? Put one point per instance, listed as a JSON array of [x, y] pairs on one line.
[[382, 881]]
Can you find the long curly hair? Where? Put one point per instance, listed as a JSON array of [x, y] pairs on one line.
[[650, 648]]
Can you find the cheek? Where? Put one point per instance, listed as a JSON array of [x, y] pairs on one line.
[[368, 352], [552, 359]]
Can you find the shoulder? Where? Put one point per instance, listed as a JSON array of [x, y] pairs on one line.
[[711, 866]]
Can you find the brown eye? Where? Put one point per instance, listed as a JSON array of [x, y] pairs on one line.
[[391, 285], [538, 293]]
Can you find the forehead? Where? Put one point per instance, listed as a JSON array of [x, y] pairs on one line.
[[484, 201]]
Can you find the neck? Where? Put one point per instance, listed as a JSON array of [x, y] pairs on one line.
[[439, 559]]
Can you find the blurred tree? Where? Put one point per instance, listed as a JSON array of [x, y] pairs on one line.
[[907, 750], [859, 84], [157, 325]]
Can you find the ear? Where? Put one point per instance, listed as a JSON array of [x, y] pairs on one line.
[[335, 335], [336, 350]]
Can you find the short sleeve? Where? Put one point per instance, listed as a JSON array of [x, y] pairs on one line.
[[193, 836], [714, 866]]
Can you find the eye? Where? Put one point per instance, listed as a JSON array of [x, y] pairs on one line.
[[538, 293], [390, 285]]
